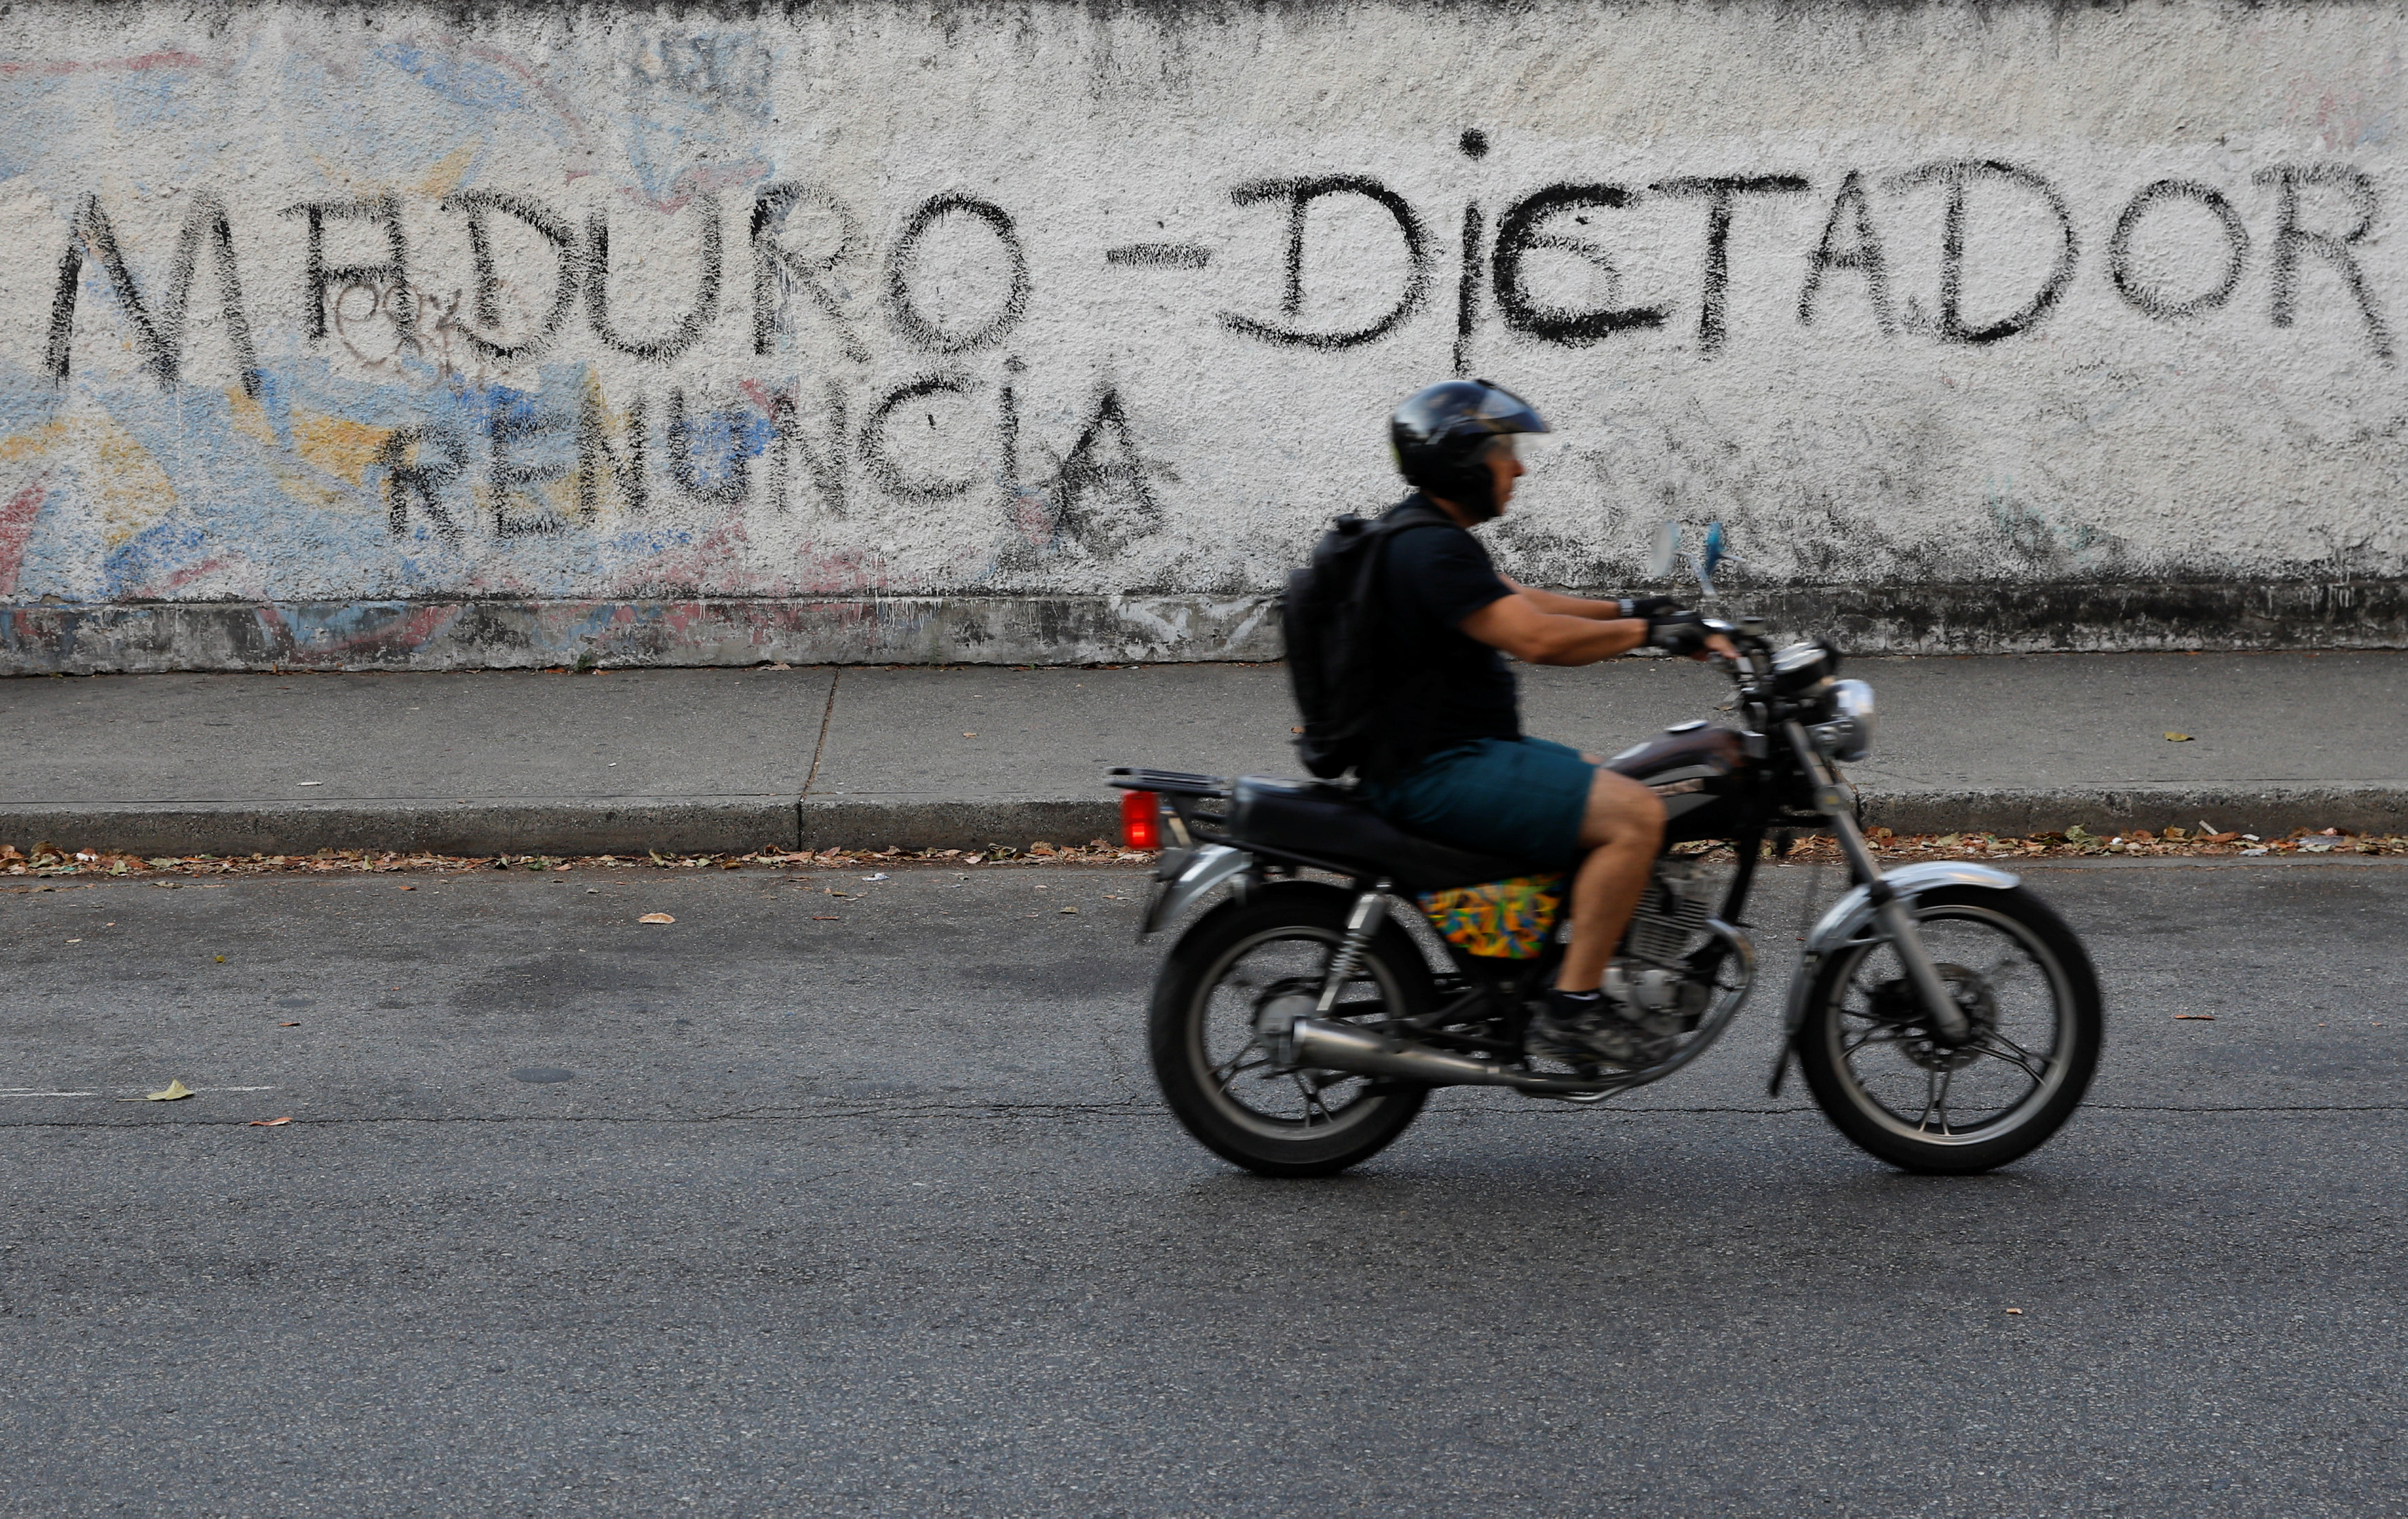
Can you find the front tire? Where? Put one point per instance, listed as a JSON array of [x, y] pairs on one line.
[[1218, 1079], [2027, 984]]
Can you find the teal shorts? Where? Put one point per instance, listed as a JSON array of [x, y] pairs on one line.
[[1523, 798]]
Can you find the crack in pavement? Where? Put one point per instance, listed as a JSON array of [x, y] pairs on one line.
[[1064, 1110]]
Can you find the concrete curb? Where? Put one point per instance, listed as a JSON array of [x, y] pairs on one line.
[[537, 825], [2270, 809], [934, 822], [715, 826]]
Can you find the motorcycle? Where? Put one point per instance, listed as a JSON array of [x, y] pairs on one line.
[[1944, 1017]]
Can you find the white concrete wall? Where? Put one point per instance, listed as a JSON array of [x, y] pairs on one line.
[[987, 331]]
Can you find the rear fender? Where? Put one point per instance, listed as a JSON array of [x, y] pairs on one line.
[[1192, 878]]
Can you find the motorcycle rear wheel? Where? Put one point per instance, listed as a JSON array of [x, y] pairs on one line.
[[1217, 1075], [2027, 985]]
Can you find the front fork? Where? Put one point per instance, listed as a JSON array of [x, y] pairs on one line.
[[1832, 799]]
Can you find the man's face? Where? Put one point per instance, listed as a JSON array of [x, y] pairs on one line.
[[1505, 468]]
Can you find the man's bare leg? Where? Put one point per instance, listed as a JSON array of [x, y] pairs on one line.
[[1621, 831]]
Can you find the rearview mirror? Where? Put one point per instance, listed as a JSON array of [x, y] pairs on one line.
[[1667, 553]]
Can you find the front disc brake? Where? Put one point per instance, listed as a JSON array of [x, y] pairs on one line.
[[1894, 1002]]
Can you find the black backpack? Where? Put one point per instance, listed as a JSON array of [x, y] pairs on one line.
[[1335, 663]]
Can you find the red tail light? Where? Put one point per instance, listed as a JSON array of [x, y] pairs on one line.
[[1140, 820]]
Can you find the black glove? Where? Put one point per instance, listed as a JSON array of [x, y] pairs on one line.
[[1678, 630], [1647, 607]]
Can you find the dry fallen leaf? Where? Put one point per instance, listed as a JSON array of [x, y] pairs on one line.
[[410, 888], [2197, 1017], [2172, 737], [2016, 1311], [818, 917], [270, 1123], [1070, 909], [176, 1089], [288, 1026], [969, 735], [656, 917]]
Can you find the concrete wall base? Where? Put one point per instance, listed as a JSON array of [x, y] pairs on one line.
[[1996, 618]]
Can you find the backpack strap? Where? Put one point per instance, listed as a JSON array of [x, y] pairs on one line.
[[1387, 750], [1420, 514]]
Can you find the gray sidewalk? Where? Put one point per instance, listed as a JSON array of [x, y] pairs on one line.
[[715, 759]]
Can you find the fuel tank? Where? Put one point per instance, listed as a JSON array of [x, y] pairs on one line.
[[1700, 775]]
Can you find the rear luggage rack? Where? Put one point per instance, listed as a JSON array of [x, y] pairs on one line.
[[1183, 795], [1170, 783]]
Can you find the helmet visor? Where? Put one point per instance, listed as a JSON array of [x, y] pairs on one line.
[[1502, 411]]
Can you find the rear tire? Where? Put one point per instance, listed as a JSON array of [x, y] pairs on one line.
[[1219, 1080], [1868, 1059]]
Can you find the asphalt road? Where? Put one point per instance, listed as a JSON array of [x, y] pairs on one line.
[[861, 1204]]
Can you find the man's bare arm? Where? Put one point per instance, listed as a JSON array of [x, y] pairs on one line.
[[1556, 604], [1520, 626]]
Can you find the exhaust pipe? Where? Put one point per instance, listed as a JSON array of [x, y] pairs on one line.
[[1334, 1046]]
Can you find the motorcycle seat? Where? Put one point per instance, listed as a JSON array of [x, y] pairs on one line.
[[1327, 826]]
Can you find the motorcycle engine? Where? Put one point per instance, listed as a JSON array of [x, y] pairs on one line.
[[1651, 976]]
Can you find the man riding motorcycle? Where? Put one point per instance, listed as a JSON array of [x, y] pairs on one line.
[[1453, 763]]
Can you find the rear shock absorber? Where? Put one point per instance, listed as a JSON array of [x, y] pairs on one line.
[[1370, 911]]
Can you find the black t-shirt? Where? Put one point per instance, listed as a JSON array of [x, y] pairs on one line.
[[1445, 687]]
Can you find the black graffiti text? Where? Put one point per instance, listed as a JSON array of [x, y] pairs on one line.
[[1098, 489]]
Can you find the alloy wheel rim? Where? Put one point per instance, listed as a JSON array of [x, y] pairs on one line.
[[1221, 1074], [1852, 1035]]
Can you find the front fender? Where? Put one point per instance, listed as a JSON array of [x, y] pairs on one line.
[[1207, 866], [1851, 914]]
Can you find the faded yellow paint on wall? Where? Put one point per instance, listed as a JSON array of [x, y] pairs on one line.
[[338, 445], [128, 485], [32, 445], [127, 488], [444, 178]]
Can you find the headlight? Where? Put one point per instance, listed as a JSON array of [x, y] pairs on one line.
[[1801, 666], [1848, 734]]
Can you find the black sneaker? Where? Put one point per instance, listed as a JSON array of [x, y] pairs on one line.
[[1590, 1027]]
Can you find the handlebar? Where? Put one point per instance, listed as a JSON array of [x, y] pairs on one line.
[[1755, 650]]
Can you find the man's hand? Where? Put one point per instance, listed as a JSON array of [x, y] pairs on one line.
[[1678, 630], [1682, 630]]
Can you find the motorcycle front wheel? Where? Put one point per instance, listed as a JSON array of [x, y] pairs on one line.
[[2026, 983], [1220, 1081]]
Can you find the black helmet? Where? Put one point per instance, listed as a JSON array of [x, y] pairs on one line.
[[1441, 434]]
